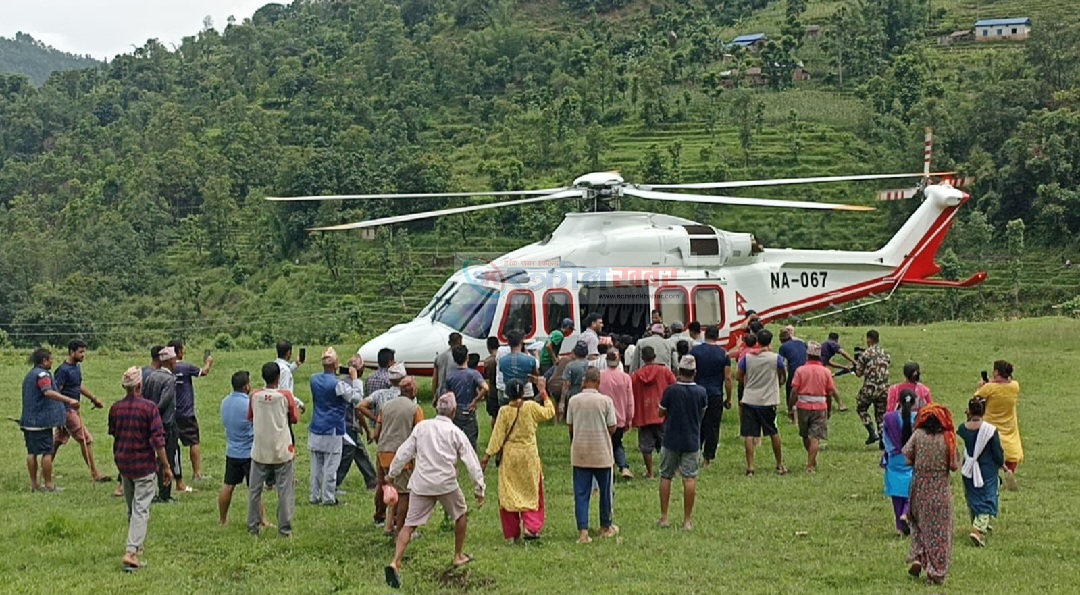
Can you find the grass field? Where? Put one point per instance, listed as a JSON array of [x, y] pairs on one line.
[[745, 538]]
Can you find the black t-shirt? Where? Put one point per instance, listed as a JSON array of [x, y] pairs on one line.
[[685, 403]]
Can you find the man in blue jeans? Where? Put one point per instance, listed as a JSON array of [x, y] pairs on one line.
[[590, 416]]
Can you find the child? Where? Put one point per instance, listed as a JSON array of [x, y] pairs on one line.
[[897, 430], [983, 456]]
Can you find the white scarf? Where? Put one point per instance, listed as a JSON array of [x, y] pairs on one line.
[[971, 468]]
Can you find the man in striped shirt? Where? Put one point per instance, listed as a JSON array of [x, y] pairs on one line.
[[138, 450]]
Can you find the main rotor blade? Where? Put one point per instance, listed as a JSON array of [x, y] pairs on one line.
[[572, 193], [742, 202], [788, 181], [421, 195]]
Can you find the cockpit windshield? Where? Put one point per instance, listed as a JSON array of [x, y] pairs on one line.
[[468, 309], [439, 295]]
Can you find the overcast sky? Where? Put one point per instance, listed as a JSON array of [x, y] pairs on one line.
[[104, 28]]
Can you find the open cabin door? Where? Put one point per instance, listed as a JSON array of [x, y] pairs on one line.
[[624, 306]]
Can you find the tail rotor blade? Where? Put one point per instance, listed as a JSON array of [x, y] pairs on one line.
[[901, 194], [742, 202]]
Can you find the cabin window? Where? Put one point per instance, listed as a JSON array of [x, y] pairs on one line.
[[673, 304], [999, 32], [1014, 31], [519, 315], [557, 306], [708, 305]]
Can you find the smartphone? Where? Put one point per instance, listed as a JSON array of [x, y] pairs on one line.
[[985, 376], [205, 355], [303, 354], [343, 370]]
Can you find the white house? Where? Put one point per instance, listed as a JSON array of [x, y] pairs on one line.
[[1003, 29]]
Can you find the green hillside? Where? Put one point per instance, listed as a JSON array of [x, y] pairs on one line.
[[132, 195], [28, 56]]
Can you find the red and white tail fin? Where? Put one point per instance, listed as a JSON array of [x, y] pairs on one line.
[[911, 251]]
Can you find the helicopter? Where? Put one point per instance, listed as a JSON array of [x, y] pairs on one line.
[[624, 265]]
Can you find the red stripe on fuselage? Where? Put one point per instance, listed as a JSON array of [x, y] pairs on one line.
[[932, 239]]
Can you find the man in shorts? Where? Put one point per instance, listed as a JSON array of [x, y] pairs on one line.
[[762, 374], [68, 381], [436, 446], [239, 436], [812, 394], [683, 406], [42, 410], [649, 383], [187, 425], [396, 420]]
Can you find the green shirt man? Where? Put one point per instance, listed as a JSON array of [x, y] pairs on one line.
[[549, 356]]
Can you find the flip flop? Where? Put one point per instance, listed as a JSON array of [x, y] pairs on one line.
[[662, 525], [187, 490], [104, 479], [130, 568], [468, 559], [393, 577], [781, 470]]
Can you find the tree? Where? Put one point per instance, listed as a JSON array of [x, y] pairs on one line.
[[651, 167], [748, 115], [1014, 238], [396, 262]]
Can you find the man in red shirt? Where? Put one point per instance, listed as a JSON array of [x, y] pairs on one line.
[[648, 384], [138, 448], [812, 394]]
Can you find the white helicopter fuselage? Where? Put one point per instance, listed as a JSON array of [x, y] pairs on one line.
[[624, 265]]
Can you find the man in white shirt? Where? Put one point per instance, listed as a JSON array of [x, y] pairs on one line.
[[594, 323], [436, 446], [285, 380]]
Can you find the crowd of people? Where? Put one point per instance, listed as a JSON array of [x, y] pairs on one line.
[[672, 386]]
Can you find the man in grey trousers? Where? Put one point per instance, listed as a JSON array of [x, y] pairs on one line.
[[272, 453], [138, 449]]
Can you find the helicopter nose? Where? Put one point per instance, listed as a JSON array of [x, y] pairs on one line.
[[415, 345]]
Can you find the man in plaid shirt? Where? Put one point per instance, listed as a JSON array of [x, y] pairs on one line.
[[138, 448]]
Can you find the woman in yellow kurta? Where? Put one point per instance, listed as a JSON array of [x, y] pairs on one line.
[[521, 480], [1001, 394]]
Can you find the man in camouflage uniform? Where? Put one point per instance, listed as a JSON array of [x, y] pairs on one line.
[[872, 365]]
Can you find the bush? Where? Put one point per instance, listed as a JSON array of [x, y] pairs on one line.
[[5, 340], [224, 342]]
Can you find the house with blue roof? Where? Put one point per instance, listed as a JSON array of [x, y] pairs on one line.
[[751, 42], [1003, 29]]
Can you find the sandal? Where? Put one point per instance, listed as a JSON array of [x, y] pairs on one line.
[[749, 472], [781, 470], [468, 559], [393, 577]]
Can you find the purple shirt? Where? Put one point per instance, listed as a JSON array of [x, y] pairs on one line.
[[828, 350], [185, 391]]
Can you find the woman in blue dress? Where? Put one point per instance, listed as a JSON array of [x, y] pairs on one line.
[[983, 456], [898, 426]]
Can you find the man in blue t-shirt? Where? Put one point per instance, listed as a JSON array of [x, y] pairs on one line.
[[68, 380], [518, 365], [793, 351], [682, 407], [714, 375], [239, 437], [187, 426], [470, 389], [831, 347]]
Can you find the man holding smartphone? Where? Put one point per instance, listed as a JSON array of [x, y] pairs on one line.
[[187, 425], [285, 381]]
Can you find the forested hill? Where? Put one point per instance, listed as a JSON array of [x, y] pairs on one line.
[[28, 56], [132, 194]]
